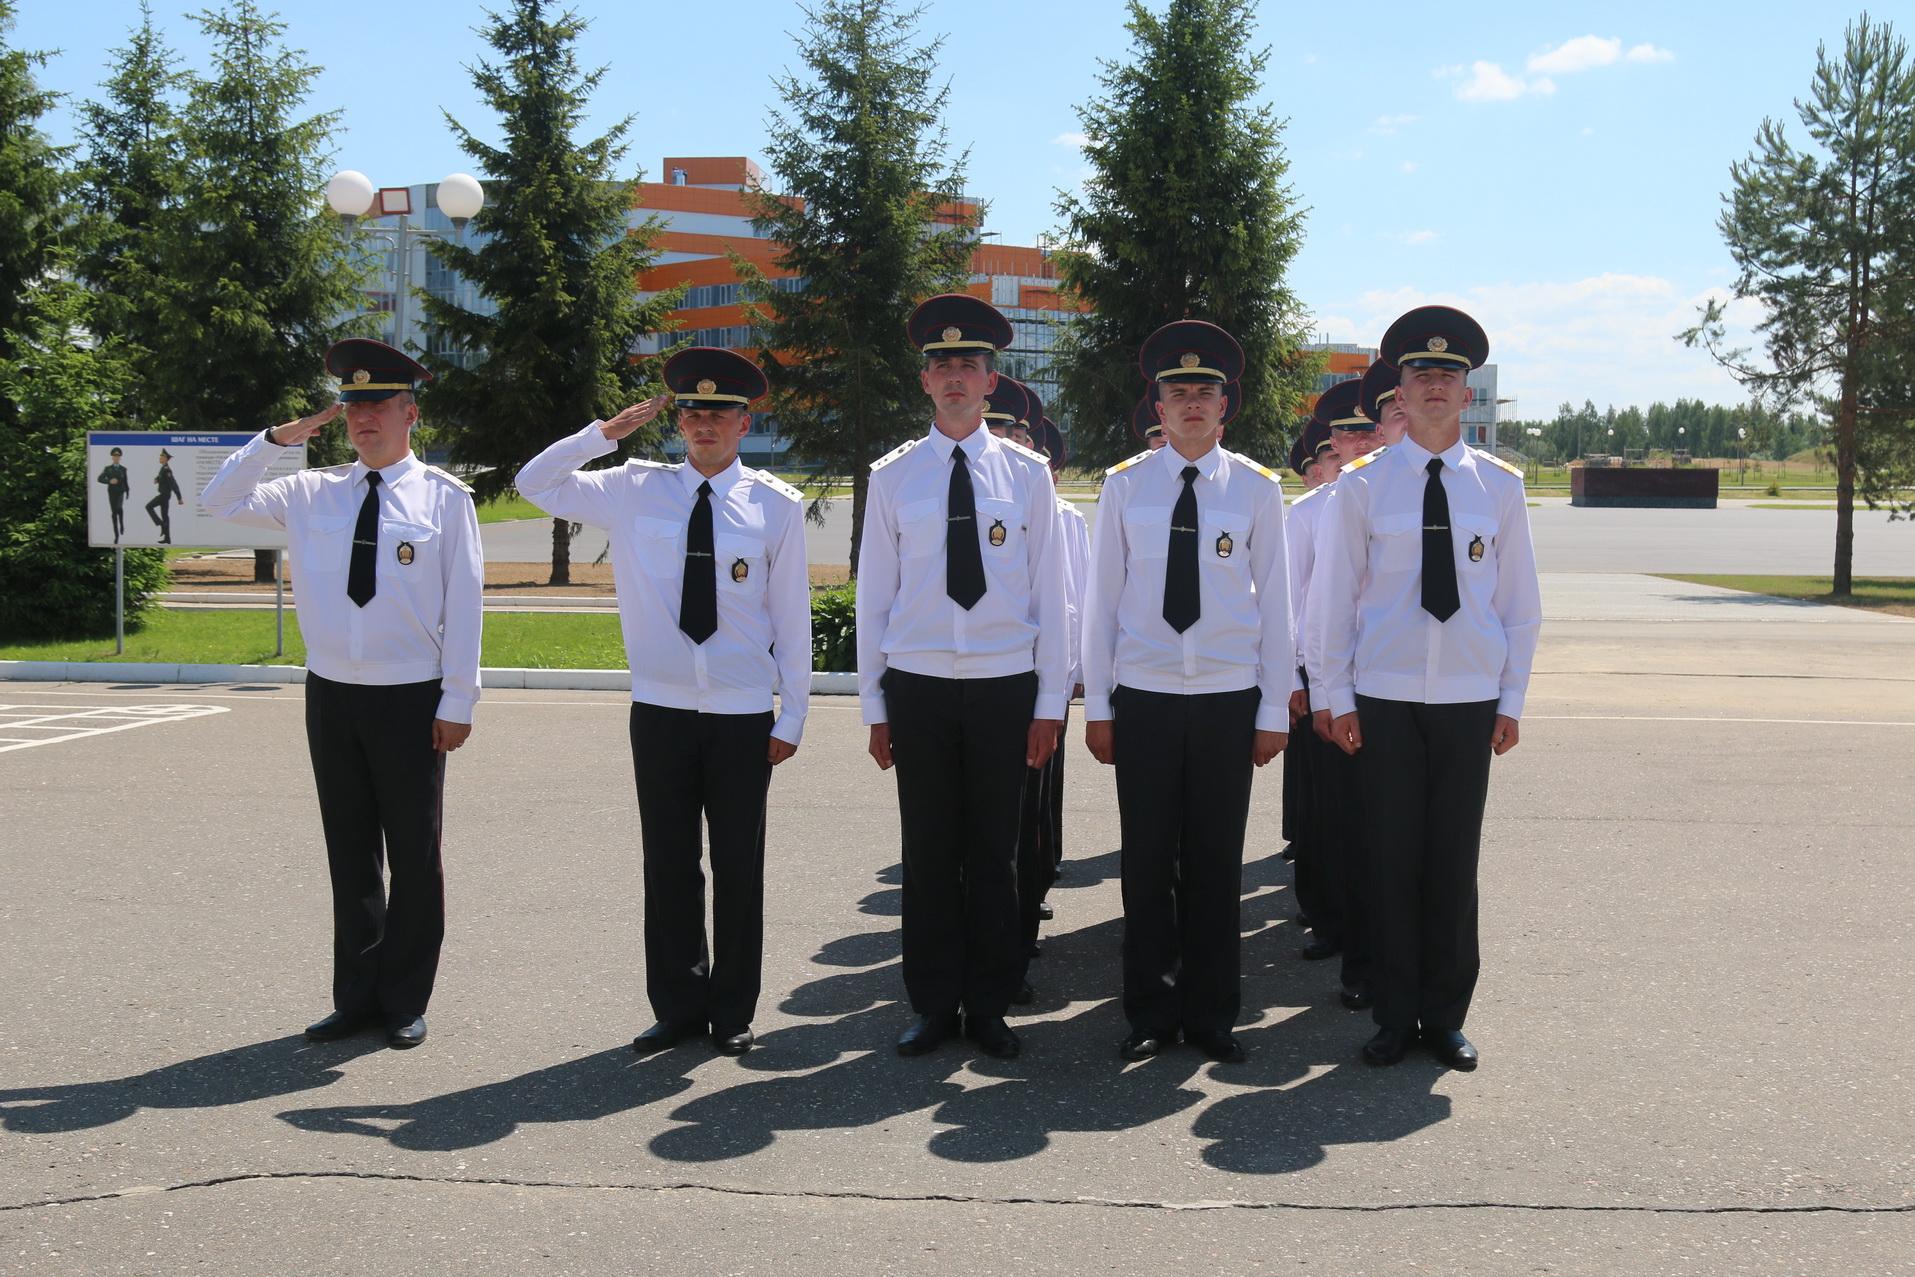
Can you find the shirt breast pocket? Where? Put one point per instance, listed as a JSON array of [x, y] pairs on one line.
[[1002, 524], [1147, 529], [406, 545], [1398, 539], [741, 564], [1475, 541], [657, 544], [920, 530], [1224, 541], [328, 542]]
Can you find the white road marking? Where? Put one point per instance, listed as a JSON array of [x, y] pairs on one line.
[[24, 726]]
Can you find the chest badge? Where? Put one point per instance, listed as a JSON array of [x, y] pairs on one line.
[[740, 570], [997, 532], [404, 554], [1476, 550], [1225, 545]]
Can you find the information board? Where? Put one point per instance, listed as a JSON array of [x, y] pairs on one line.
[[143, 489]]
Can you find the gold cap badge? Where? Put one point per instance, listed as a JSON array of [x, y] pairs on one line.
[[1190, 359], [953, 333], [706, 386], [361, 377], [1439, 344]]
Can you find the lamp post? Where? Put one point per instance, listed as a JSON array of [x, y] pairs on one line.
[[352, 196]]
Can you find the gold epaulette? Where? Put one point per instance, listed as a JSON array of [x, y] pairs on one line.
[[1122, 466], [1022, 451], [646, 463], [1365, 459], [1260, 468], [452, 479], [894, 454], [1495, 460], [777, 485]]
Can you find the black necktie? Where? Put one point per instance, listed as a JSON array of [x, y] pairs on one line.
[[1182, 602], [698, 601], [362, 574], [963, 559], [1439, 549]]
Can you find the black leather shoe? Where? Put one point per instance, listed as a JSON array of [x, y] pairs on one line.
[[666, 1034], [1142, 1044], [1451, 1047], [1388, 1046], [1357, 999], [1044, 910], [1318, 949], [1303, 921], [403, 1035], [927, 1034], [1289, 852], [340, 1024], [1219, 1044], [732, 1041], [993, 1036], [1024, 994]]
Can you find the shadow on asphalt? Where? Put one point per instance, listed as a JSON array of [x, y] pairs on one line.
[[1301, 1091]]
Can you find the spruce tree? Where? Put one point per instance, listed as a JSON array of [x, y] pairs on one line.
[[558, 261], [1824, 238], [863, 219], [1185, 216], [36, 210]]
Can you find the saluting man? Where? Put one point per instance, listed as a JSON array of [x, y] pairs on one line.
[[715, 599], [1188, 663], [1425, 591], [386, 552], [963, 657]]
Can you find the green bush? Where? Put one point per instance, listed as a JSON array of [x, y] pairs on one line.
[[834, 629]]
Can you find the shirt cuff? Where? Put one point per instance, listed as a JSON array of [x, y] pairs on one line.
[[1510, 703], [873, 710], [454, 709], [1096, 706], [1273, 716], [1342, 700], [1051, 705], [790, 728]]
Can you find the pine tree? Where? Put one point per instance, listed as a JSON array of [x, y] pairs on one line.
[[54, 387], [865, 219], [1825, 240], [255, 280], [1185, 216], [559, 262], [134, 178]]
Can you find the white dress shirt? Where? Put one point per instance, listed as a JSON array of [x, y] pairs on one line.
[[1076, 578], [906, 620], [763, 641], [1367, 586], [423, 621], [1242, 637], [1300, 537]]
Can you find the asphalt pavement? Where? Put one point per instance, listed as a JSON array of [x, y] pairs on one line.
[[1698, 892]]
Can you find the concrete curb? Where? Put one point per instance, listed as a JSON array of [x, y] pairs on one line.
[[535, 680]]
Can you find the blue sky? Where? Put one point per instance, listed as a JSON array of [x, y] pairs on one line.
[[1556, 170]]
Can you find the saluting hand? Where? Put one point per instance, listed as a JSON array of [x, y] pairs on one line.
[[294, 433], [633, 417]]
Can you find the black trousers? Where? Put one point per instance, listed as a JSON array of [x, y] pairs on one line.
[[1183, 799], [1337, 857], [162, 515], [697, 773], [1428, 768], [116, 506], [1039, 837], [381, 795], [1054, 798], [959, 747]]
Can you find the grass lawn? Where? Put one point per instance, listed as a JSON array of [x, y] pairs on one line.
[[509, 507], [513, 641], [1895, 594]]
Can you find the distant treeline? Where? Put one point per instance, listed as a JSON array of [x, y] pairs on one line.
[[1705, 430]]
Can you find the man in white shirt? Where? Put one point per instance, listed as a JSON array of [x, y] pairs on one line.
[[1050, 441], [1426, 596], [714, 597], [385, 554], [963, 657], [1188, 663]]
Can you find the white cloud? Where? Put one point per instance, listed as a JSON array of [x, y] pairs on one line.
[[1580, 54], [1409, 166], [1609, 338], [1077, 140], [1388, 124], [1650, 53], [1419, 237], [1488, 82]]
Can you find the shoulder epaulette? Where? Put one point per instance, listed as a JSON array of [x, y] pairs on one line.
[[777, 485], [645, 463], [451, 478], [1306, 495], [1066, 506], [1261, 469], [1125, 465], [334, 469], [1365, 459], [895, 453], [1495, 460], [1030, 454]]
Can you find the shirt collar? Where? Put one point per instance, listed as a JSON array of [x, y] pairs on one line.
[[721, 482], [975, 444], [392, 474], [1174, 461], [1452, 455]]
